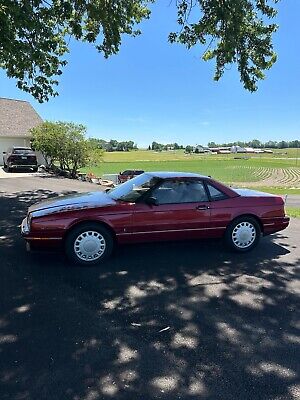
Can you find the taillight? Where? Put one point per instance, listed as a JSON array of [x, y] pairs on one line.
[[29, 218], [284, 198], [11, 158]]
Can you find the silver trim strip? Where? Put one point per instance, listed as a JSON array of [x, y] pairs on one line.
[[275, 224], [171, 230], [267, 219], [43, 238]]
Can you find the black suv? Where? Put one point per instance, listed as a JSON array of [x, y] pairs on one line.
[[20, 158]]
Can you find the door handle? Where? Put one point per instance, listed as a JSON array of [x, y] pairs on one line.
[[201, 208]]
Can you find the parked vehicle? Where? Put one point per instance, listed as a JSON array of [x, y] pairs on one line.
[[128, 174], [154, 206], [20, 158]]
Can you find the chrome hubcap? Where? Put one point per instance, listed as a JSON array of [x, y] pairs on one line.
[[243, 235], [89, 246]]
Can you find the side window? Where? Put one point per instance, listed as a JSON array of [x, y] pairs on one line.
[[178, 191], [216, 194]]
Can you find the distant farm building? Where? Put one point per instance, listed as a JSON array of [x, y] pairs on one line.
[[249, 150], [239, 149], [201, 149]]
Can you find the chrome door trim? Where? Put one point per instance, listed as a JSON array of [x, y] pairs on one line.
[[171, 230]]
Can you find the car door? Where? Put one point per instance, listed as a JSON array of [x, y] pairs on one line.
[[182, 212]]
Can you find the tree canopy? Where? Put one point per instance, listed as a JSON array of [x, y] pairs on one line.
[[62, 143], [35, 35]]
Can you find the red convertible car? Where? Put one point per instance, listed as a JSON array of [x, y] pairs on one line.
[[154, 206]]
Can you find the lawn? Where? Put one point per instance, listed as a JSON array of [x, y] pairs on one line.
[[293, 212], [276, 190], [225, 170], [278, 158], [276, 170]]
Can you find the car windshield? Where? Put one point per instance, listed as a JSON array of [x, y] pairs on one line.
[[22, 151], [131, 190]]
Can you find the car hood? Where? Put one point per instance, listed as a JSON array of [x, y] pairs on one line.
[[253, 193], [73, 202]]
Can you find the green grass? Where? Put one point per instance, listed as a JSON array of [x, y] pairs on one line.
[[221, 167], [224, 170], [276, 190], [276, 160], [286, 153], [293, 212]]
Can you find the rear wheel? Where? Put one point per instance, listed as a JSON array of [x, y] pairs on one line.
[[243, 234], [88, 244]]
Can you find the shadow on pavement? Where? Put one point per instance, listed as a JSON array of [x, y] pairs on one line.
[[161, 321]]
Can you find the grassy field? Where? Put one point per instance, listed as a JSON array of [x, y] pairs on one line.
[[144, 155], [293, 212], [277, 190], [278, 171]]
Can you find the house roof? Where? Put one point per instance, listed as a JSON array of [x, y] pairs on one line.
[[17, 117]]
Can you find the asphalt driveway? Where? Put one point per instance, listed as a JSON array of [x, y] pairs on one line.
[[17, 174], [162, 321]]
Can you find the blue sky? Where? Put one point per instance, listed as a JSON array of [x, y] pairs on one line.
[[153, 90]]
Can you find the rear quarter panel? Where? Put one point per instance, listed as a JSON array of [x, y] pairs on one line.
[[266, 209]]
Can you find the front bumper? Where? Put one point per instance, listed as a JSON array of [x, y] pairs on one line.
[[23, 166], [38, 241]]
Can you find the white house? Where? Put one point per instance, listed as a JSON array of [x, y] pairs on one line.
[[17, 117], [201, 149]]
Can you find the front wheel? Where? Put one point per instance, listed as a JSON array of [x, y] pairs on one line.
[[88, 244], [243, 234]]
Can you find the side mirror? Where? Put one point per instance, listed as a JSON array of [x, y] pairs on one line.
[[151, 201], [4, 152]]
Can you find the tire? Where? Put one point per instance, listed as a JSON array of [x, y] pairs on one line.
[[35, 169], [243, 234], [9, 169], [4, 165], [89, 244]]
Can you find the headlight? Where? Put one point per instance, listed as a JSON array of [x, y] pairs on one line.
[[29, 218]]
